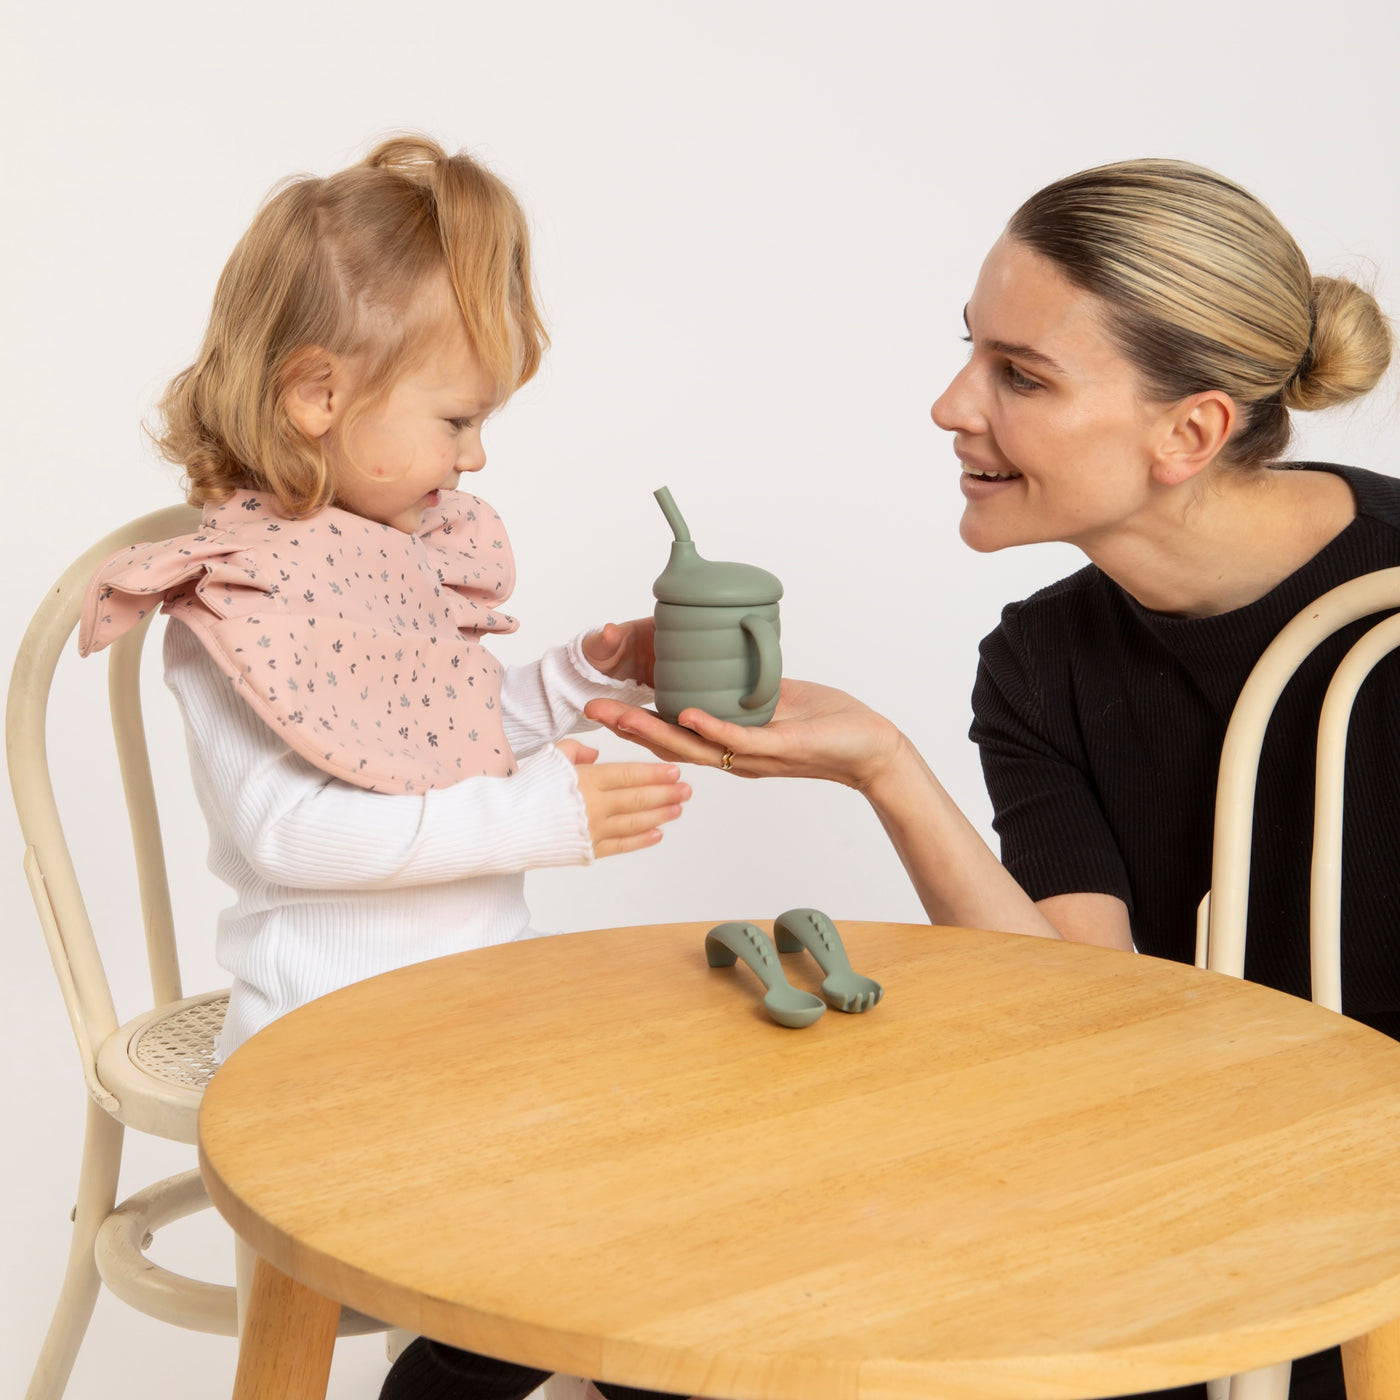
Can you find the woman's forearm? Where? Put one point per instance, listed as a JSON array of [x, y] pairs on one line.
[[957, 877]]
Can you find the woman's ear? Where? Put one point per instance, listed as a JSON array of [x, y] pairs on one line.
[[314, 388], [1196, 429]]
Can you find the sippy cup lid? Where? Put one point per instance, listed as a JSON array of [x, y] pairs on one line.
[[708, 583]]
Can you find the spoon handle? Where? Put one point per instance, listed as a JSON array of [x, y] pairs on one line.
[[726, 943]]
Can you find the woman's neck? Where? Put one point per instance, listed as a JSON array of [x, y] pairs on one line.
[[1222, 547]]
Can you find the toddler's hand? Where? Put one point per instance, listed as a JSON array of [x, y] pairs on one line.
[[626, 802], [625, 651]]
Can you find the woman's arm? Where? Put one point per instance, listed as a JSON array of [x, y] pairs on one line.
[[818, 732]]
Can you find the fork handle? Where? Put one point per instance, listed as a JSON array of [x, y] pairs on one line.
[[812, 930]]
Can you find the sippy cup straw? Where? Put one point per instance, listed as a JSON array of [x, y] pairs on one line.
[[671, 511]]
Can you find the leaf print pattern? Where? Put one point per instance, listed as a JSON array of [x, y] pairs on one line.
[[282, 612]]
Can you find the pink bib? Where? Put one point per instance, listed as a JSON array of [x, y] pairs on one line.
[[357, 643]]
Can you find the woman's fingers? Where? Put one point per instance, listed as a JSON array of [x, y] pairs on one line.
[[738, 738], [652, 732]]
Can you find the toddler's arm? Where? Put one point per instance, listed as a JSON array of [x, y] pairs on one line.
[[298, 827], [543, 701]]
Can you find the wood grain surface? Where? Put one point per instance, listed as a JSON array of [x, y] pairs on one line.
[[1035, 1171]]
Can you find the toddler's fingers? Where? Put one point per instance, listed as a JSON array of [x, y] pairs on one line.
[[577, 754], [622, 845], [613, 777], [630, 809], [621, 825]]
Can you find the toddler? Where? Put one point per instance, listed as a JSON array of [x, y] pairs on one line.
[[375, 784]]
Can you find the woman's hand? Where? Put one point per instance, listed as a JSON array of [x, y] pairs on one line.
[[626, 802], [816, 732], [624, 650]]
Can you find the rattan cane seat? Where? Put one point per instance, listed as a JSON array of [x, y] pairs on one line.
[[179, 1048], [157, 1065]]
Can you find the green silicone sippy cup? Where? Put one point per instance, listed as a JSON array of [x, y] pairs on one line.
[[716, 633]]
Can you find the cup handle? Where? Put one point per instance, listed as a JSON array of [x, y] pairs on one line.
[[770, 662]]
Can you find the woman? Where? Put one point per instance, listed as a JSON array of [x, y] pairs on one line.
[[1139, 335]]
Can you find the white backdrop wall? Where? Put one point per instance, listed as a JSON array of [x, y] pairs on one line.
[[756, 225]]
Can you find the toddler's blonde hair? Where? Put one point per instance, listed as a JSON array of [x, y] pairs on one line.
[[1204, 289], [346, 265]]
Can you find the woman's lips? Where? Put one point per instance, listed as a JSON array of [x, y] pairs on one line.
[[978, 482], [987, 473]]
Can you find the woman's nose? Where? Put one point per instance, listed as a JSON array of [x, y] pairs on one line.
[[955, 409]]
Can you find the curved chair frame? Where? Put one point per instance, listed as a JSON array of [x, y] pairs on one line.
[[1222, 919], [149, 1073]]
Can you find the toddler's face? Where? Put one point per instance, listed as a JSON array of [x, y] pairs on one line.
[[417, 439]]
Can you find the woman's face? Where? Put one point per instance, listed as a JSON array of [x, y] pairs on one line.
[[1054, 439]]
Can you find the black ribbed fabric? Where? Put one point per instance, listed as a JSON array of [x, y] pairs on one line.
[[428, 1370], [1100, 726]]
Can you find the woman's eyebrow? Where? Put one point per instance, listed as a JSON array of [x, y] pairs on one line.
[[1018, 352]]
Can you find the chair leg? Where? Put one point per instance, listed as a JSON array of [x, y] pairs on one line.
[[1270, 1383], [395, 1340], [564, 1388], [97, 1194], [244, 1258]]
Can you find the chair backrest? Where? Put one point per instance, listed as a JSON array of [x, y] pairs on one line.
[[1228, 901], [48, 864]]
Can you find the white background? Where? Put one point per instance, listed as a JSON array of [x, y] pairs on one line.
[[756, 225]]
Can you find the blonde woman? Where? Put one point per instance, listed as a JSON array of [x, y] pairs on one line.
[[1139, 336]]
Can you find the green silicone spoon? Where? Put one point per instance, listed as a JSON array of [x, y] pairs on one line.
[[725, 944], [811, 929]]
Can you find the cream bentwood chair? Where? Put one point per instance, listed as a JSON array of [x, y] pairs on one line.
[[147, 1073], [1223, 914]]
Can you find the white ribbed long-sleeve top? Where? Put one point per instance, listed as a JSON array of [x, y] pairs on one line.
[[334, 883]]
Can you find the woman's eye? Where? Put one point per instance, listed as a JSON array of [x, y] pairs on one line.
[[1017, 380]]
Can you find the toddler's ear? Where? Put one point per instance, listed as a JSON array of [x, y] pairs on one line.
[[314, 391]]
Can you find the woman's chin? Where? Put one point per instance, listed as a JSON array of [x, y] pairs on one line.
[[981, 535]]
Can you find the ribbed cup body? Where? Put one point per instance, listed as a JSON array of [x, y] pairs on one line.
[[705, 658]]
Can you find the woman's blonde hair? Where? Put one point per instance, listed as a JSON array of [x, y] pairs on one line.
[[1205, 289], [347, 264]]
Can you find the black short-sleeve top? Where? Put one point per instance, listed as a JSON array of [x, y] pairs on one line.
[[1100, 725]]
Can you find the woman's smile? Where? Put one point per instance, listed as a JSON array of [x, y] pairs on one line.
[[981, 478]]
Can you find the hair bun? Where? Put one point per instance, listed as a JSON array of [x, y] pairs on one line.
[[1350, 348], [410, 155]]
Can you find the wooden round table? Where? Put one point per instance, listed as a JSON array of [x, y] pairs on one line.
[[1033, 1171]]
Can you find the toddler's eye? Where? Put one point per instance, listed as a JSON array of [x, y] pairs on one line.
[[459, 424]]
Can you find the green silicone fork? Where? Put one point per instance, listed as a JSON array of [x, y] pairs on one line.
[[811, 929], [726, 943]]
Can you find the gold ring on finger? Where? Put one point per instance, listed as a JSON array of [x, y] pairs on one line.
[[727, 760]]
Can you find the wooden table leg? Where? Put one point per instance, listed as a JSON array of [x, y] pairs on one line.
[[288, 1337], [1372, 1364]]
